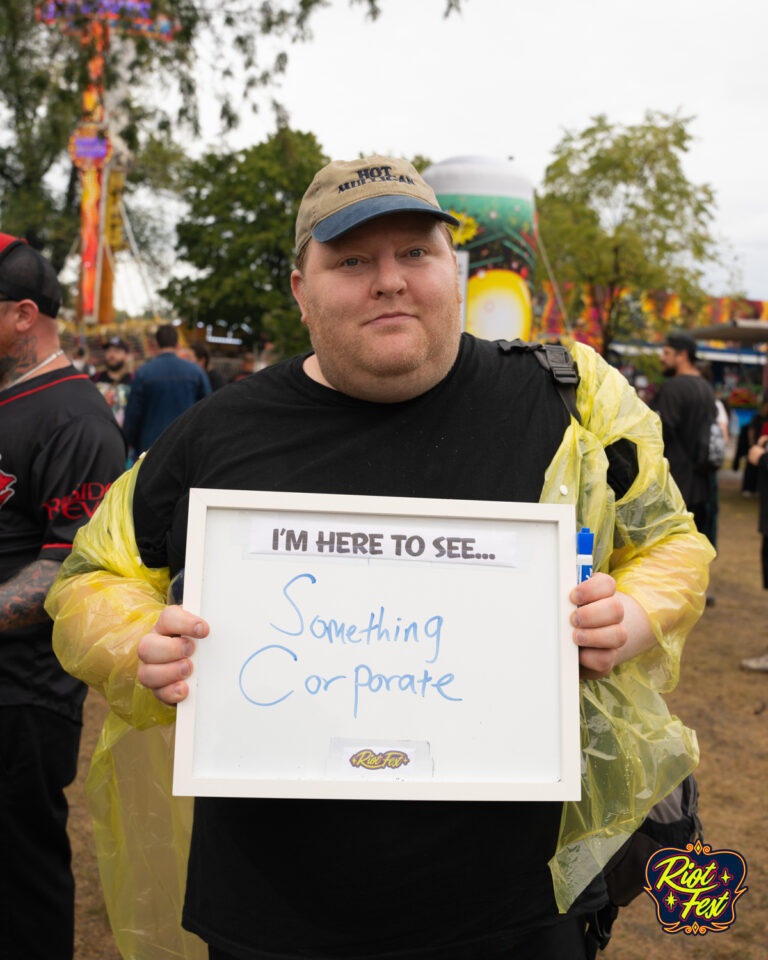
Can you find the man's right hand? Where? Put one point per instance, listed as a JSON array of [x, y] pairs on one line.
[[165, 650]]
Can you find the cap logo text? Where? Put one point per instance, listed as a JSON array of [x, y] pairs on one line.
[[375, 175]]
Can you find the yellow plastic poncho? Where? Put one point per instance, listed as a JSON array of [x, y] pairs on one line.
[[633, 751]]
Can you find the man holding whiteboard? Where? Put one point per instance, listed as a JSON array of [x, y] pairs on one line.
[[395, 401]]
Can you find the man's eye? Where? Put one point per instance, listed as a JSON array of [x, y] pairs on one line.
[[350, 262], [417, 252]]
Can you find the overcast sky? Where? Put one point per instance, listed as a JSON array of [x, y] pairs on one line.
[[506, 78]]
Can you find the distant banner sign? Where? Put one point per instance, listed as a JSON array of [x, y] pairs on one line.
[[95, 9], [133, 16], [89, 148]]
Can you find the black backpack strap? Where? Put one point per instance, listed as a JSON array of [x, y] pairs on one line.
[[556, 359]]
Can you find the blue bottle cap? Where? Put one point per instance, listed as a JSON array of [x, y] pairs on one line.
[[585, 541]]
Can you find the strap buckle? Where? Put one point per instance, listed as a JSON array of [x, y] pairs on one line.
[[561, 364]]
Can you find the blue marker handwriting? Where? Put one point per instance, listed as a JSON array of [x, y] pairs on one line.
[[336, 630], [362, 679]]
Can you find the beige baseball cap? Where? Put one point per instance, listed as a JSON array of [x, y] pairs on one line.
[[346, 193]]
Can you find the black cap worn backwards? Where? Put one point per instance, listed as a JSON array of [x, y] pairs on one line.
[[26, 275]]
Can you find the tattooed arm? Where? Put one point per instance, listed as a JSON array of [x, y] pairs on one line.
[[22, 597]]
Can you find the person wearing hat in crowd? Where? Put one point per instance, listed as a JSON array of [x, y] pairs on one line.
[[162, 388], [114, 381], [60, 449], [116, 357], [393, 400], [685, 402]]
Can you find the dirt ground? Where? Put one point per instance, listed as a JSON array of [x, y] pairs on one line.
[[725, 705]]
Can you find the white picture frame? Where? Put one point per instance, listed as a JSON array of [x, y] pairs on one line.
[[379, 648]]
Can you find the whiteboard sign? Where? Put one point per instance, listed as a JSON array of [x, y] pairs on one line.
[[379, 648]]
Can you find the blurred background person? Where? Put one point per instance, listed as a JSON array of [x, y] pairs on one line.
[[162, 388], [759, 461], [81, 361], [748, 437], [247, 367], [685, 403], [114, 381], [202, 357]]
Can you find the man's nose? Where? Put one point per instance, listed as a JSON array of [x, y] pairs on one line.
[[389, 279]]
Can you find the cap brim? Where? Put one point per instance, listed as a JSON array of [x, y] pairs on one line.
[[364, 210]]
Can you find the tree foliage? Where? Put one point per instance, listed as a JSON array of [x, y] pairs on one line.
[[238, 238], [40, 88], [618, 216], [43, 73]]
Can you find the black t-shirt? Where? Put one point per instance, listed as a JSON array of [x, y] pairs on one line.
[[686, 405], [295, 878], [60, 449]]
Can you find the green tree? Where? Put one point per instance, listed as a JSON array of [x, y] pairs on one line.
[[618, 216], [39, 107], [43, 73], [238, 238]]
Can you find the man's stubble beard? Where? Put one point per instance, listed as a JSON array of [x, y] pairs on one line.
[[356, 370]]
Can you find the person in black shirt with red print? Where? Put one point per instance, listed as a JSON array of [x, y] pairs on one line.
[[60, 449]]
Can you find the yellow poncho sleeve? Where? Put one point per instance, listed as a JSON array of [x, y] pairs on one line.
[[102, 603], [633, 751]]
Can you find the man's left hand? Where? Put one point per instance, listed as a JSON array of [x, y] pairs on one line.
[[599, 628]]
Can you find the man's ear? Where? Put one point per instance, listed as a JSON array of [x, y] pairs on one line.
[[297, 289], [27, 314]]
